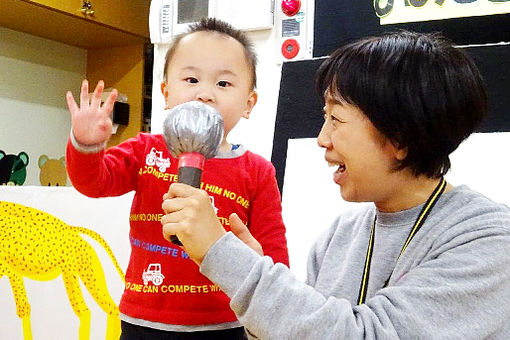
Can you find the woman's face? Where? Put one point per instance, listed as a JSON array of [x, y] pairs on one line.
[[365, 159]]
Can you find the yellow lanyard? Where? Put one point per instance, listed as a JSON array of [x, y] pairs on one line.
[[417, 225]]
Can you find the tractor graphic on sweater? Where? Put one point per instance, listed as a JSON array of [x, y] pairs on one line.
[[153, 273], [155, 157]]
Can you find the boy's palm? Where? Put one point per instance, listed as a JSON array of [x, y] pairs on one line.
[[91, 121]]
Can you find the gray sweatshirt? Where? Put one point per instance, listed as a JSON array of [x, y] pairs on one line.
[[452, 282]]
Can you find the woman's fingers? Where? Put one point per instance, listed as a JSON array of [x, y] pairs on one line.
[[171, 224], [172, 205], [189, 214], [241, 231]]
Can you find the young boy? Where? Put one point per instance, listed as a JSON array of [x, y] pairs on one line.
[[426, 260], [215, 64]]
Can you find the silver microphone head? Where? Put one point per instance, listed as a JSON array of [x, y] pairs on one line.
[[193, 127]]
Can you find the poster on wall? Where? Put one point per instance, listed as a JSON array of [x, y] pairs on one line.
[[62, 258], [40, 246], [466, 22], [398, 12]]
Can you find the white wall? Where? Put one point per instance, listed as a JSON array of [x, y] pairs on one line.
[[35, 74], [311, 200]]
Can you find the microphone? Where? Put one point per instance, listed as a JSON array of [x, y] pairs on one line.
[[193, 132]]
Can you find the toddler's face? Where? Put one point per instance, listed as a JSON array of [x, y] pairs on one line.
[[211, 68]]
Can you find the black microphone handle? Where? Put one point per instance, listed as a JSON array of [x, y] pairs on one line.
[[191, 176]]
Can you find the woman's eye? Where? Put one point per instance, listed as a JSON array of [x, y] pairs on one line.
[[192, 80], [336, 120], [223, 83], [330, 117]]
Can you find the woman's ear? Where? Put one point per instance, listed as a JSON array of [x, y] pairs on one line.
[[400, 152]]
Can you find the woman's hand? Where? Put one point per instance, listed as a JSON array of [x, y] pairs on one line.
[[241, 231], [190, 216]]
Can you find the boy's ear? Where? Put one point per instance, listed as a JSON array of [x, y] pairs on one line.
[[250, 103], [164, 90]]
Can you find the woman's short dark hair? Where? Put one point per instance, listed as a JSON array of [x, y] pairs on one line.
[[418, 90], [221, 27]]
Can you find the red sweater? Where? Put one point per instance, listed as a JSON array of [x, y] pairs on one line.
[[162, 284]]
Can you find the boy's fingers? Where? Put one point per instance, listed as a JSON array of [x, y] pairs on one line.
[[108, 104], [96, 96], [84, 94], [71, 103]]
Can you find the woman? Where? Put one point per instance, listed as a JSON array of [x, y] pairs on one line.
[[426, 260]]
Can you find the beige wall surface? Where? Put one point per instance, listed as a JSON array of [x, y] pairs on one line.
[[35, 73]]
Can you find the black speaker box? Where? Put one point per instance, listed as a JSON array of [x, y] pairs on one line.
[[120, 113]]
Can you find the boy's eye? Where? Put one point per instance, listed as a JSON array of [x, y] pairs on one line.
[[223, 83], [192, 80]]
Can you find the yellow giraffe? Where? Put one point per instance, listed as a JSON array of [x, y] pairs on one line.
[[39, 246]]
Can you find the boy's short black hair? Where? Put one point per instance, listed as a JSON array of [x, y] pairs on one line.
[[418, 90], [218, 26]]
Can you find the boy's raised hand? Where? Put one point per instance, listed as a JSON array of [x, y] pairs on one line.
[[91, 121]]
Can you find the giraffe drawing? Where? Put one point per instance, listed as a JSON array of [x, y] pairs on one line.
[[39, 246]]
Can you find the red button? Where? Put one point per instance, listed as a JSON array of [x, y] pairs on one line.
[[290, 48], [291, 7]]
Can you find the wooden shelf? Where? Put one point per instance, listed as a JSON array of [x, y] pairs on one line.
[[127, 15], [76, 30], [115, 47]]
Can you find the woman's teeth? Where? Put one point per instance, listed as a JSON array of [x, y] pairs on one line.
[[341, 167]]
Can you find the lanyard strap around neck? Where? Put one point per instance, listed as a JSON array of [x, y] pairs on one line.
[[433, 198]]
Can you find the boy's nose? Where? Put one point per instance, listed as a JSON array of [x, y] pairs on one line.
[[204, 95], [323, 139]]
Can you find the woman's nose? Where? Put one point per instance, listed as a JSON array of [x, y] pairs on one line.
[[323, 139]]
